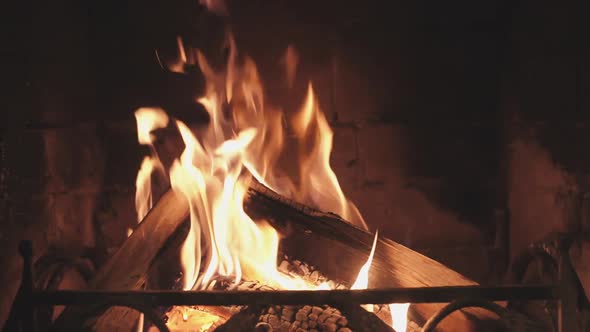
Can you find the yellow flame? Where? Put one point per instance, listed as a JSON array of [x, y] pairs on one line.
[[399, 311], [147, 119], [362, 279], [320, 186], [235, 245], [302, 120], [143, 188], [218, 161]]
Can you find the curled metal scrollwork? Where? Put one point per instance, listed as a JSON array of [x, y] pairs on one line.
[[465, 303], [553, 254]]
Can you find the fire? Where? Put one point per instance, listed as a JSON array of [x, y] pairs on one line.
[[223, 240], [362, 280], [148, 119], [245, 138], [320, 186]]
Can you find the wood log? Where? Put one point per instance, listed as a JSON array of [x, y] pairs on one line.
[[127, 268], [344, 249]]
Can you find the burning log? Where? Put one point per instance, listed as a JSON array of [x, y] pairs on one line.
[[344, 249]]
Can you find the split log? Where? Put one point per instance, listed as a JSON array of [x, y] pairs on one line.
[[127, 268], [344, 249], [339, 249]]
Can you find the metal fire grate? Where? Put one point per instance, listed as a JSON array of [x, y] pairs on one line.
[[566, 291]]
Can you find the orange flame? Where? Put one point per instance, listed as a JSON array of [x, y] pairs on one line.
[[362, 280]]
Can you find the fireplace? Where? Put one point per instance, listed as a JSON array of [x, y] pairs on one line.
[[438, 131]]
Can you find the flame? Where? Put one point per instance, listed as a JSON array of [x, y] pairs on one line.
[[236, 245], [143, 185], [399, 316], [290, 60], [399, 311], [223, 240], [320, 186], [176, 65], [362, 279], [245, 138], [147, 119]]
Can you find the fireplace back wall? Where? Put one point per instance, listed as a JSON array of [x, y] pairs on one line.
[[440, 114]]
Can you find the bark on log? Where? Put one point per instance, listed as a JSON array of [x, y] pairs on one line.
[[344, 249]]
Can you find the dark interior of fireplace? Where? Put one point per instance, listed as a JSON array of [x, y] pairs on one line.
[[460, 127]]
